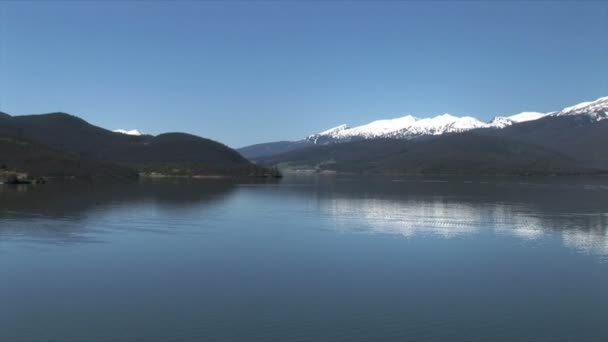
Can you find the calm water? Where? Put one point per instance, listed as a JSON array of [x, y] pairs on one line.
[[306, 259]]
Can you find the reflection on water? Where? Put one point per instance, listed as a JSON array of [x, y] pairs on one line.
[[448, 219], [311, 258], [408, 218], [524, 210], [590, 236], [572, 208], [71, 211]]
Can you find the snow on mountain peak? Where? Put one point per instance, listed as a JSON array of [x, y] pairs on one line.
[[330, 133], [403, 127], [334, 130], [445, 123], [134, 132], [504, 121], [587, 104], [380, 128], [526, 116], [445, 116], [597, 109], [409, 126]]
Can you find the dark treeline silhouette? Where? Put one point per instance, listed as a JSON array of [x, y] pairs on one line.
[[62, 145]]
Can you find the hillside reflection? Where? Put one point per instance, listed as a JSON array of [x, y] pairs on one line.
[[572, 208], [61, 212], [587, 232]]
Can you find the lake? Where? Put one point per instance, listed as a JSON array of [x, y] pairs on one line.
[[306, 258]]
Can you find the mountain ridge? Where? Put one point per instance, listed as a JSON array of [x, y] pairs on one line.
[[64, 136], [411, 127], [468, 153], [566, 142]]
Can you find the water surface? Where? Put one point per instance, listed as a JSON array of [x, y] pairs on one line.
[[306, 258]]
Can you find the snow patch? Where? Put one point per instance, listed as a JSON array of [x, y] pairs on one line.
[[597, 109], [134, 132], [601, 102], [335, 130], [504, 121]]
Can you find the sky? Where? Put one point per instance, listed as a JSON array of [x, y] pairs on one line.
[[245, 72]]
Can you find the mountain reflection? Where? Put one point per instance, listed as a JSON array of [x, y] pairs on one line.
[[408, 218], [61, 212], [571, 208]]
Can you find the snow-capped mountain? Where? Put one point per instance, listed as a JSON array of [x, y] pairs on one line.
[[128, 132], [597, 109], [504, 121], [409, 127], [405, 127]]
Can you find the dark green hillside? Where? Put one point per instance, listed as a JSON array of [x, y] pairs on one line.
[[467, 153], [182, 154], [172, 153], [63, 131], [577, 136], [173, 148], [269, 149], [40, 161], [471, 153]]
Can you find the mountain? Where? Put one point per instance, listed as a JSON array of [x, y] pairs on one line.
[[42, 161], [411, 127], [406, 127], [569, 141], [171, 153], [269, 149], [61, 131], [596, 110], [467, 153], [504, 121], [181, 154], [580, 132]]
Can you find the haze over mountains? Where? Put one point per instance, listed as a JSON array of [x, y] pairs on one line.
[[571, 140]]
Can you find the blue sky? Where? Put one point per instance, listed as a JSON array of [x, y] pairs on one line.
[[250, 72]]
